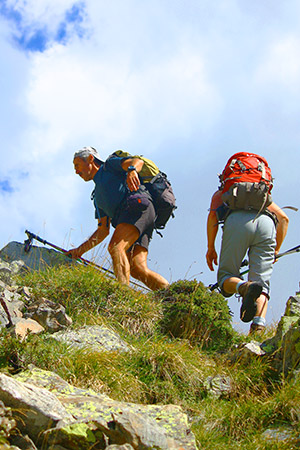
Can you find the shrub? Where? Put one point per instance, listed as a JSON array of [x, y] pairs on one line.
[[191, 311]]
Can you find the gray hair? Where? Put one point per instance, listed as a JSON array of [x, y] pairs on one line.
[[85, 152]]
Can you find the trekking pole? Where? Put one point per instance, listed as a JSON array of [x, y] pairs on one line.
[[289, 252], [245, 262], [28, 245]]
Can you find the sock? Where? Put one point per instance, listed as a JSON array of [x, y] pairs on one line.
[[238, 285], [259, 320]]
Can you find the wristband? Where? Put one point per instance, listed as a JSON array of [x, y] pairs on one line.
[[131, 168]]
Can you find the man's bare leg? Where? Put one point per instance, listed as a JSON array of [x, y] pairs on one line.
[[140, 270], [124, 236]]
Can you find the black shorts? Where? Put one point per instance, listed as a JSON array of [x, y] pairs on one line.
[[142, 216]]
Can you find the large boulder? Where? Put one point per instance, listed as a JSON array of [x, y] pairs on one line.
[[37, 258], [96, 418]]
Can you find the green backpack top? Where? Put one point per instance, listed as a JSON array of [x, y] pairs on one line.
[[149, 169]]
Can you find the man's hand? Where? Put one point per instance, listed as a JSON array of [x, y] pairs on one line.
[[133, 181], [211, 258], [75, 253]]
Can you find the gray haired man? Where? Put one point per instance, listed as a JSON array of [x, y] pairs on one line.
[[121, 201]]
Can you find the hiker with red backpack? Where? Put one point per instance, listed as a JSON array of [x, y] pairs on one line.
[[253, 224], [120, 199]]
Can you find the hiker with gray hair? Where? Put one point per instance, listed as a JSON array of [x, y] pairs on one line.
[[120, 200]]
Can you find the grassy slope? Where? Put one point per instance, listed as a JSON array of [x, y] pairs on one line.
[[174, 354]]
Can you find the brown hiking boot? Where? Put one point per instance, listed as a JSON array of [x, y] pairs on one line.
[[250, 291], [256, 329]]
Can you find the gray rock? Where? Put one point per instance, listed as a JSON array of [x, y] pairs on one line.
[[7, 270], [287, 358], [34, 408], [11, 306], [139, 431], [273, 344], [38, 258], [120, 447], [245, 352], [293, 306], [78, 435], [50, 315], [159, 426], [97, 338], [280, 435], [7, 423], [23, 442], [218, 386]]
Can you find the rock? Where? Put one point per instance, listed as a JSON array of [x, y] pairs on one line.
[[8, 270], [281, 435], [293, 306], [96, 338], [159, 426], [50, 315], [273, 344], [23, 442], [287, 357], [56, 447], [38, 258], [245, 352], [120, 447], [218, 386], [7, 423], [138, 430], [11, 306], [284, 347], [23, 327], [34, 408], [79, 436]]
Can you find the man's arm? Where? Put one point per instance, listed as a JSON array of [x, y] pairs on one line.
[[212, 230], [133, 181], [282, 226], [98, 236]]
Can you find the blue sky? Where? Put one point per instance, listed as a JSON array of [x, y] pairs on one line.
[[186, 83]]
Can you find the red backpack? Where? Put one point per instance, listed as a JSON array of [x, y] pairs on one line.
[[246, 182]]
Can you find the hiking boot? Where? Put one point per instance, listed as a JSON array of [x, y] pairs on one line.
[[250, 291], [256, 329]]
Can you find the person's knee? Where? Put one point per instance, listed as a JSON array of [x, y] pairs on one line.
[[115, 249]]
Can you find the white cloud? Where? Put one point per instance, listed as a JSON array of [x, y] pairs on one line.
[[281, 64], [73, 95]]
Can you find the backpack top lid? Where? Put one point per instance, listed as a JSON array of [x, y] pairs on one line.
[[149, 169], [246, 167]]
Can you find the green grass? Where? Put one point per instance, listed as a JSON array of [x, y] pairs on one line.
[[180, 336]]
